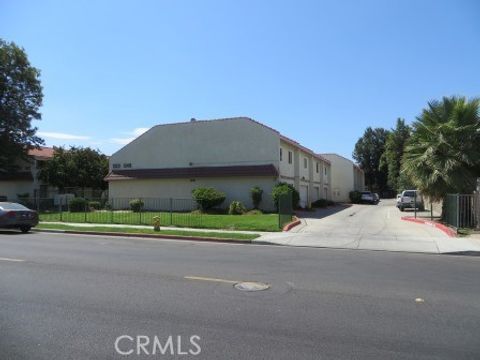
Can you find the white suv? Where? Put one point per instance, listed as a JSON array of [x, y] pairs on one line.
[[411, 199]]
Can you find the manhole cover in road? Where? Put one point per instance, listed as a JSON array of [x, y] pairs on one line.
[[251, 286]]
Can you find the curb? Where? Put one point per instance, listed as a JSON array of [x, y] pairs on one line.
[[447, 230], [148, 236], [291, 225]]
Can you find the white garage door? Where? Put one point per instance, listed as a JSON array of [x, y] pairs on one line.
[[303, 196]]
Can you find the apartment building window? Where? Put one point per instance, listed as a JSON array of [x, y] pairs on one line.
[[317, 167], [325, 172], [116, 166], [127, 165], [305, 163], [281, 154], [290, 156]]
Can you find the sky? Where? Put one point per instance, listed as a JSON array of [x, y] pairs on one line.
[[319, 72]]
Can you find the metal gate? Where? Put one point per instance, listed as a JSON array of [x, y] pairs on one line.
[[285, 209], [463, 210]]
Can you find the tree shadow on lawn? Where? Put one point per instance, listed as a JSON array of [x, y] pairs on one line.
[[320, 213]]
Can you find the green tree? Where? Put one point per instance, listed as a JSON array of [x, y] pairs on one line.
[[367, 153], [20, 99], [76, 167], [391, 160], [443, 153]]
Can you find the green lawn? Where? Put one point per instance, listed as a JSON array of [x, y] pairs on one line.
[[262, 222], [213, 235]]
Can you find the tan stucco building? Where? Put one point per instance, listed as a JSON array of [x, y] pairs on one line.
[[346, 177], [231, 155], [25, 179]]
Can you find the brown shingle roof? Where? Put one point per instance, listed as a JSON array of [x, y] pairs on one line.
[[43, 152], [193, 172]]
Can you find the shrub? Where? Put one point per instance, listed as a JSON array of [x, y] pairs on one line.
[[236, 208], [94, 205], [208, 198], [284, 188], [355, 197], [320, 203], [78, 204], [330, 202], [256, 194], [136, 205]]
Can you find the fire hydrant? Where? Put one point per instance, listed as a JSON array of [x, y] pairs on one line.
[[156, 223]]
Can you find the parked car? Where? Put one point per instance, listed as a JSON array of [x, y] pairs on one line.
[[17, 216], [368, 197], [411, 199], [376, 197]]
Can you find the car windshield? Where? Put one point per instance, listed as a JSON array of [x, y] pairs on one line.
[[410, 193], [12, 206]]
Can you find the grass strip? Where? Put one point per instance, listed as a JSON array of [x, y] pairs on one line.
[[213, 235]]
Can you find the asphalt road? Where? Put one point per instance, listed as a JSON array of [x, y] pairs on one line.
[[71, 297]]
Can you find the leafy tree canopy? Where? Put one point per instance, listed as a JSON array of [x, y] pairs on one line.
[[76, 167], [391, 160], [368, 152], [20, 99], [443, 153]]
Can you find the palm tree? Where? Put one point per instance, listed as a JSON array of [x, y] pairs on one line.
[[443, 154]]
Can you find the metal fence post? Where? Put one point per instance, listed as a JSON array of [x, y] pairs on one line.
[[171, 211], [458, 211], [61, 212], [431, 210], [415, 203], [85, 211]]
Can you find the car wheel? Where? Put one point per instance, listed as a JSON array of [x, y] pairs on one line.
[[401, 208], [25, 229]]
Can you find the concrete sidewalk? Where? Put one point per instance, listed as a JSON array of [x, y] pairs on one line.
[[90, 225], [369, 227]]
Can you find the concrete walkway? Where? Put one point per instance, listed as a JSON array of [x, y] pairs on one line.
[[369, 227], [90, 225]]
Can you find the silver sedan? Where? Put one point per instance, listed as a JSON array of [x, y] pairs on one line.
[[17, 216]]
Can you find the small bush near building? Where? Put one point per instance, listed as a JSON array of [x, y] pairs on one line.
[[94, 205], [320, 203], [208, 198], [355, 197], [78, 204], [236, 208], [284, 188], [136, 205], [256, 194], [330, 202]]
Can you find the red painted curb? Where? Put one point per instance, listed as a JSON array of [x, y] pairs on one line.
[[291, 225], [149, 236], [447, 230]]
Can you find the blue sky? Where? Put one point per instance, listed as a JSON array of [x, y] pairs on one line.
[[319, 72]]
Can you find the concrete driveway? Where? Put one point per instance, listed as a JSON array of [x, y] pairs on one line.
[[369, 227]]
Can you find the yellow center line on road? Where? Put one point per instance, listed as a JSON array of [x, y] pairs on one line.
[[12, 260], [201, 278]]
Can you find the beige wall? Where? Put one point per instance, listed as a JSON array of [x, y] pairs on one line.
[[342, 177], [286, 170], [201, 143], [10, 189], [234, 188]]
